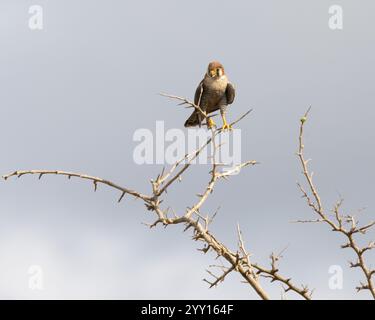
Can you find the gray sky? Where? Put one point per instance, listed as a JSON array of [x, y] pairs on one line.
[[73, 94]]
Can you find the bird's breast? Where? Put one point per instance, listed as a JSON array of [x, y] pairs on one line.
[[216, 87], [213, 92]]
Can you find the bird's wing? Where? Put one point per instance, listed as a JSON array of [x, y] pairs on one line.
[[198, 101], [198, 94], [230, 93]]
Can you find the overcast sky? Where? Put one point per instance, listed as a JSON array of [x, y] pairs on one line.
[[73, 94]]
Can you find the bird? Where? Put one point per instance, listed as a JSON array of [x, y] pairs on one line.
[[213, 93]]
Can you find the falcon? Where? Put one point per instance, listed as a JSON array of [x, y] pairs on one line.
[[214, 93]]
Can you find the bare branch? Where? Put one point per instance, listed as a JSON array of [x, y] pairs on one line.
[[95, 180], [185, 101], [338, 225], [220, 278], [194, 220], [275, 276]]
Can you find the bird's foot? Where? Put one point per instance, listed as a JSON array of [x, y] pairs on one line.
[[210, 123], [227, 126]]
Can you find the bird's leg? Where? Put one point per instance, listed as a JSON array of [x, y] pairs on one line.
[[226, 126], [210, 123]]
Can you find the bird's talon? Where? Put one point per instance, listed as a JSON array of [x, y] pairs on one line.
[[210, 123], [227, 126]]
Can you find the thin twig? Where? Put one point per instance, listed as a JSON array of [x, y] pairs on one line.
[[338, 225]]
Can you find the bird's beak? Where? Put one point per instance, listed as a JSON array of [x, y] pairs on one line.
[[212, 73]]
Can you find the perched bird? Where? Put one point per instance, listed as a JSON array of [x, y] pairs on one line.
[[214, 92]]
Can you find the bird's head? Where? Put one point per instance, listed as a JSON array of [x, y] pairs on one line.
[[215, 69]]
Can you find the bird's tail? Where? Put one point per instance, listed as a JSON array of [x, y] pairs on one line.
[[193, 120]]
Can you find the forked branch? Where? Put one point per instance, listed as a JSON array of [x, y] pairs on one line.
[[193, 217], [347, 225]]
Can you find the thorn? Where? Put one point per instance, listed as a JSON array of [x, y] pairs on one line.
[[122, 195], [347, 245]]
